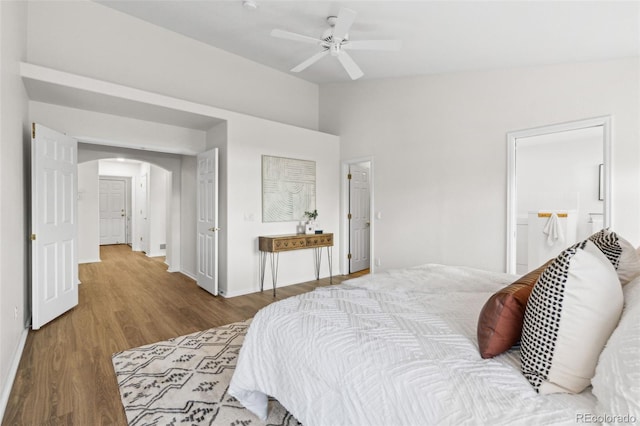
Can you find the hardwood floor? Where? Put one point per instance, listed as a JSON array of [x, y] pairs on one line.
[[65, 375]]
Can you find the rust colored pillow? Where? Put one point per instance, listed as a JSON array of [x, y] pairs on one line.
[[501, 318]]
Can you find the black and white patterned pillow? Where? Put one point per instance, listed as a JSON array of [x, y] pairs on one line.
[[572, 311], [622, 255]]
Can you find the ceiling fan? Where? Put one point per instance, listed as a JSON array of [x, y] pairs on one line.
[[335, 42]]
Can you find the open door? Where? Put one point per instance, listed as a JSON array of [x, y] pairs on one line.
[[207, 222], [54, 191], [360, 218]]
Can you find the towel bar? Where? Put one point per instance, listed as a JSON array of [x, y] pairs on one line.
[[549, 214]]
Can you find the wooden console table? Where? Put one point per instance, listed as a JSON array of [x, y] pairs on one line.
[[274, 244]]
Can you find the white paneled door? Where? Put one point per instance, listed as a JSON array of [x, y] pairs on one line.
[[112, 211], [207, 221], [359, 225], [54, 191]]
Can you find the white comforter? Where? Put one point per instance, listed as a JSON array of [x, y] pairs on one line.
[[396, 348]]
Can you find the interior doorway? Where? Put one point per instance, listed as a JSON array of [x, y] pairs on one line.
[[123, 201], [357, 245], [560, 174]]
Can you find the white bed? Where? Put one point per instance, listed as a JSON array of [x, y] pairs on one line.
[[394, 348]]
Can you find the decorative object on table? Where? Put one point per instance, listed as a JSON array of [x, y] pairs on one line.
[[288, 188], [301, 228], [310, 227]]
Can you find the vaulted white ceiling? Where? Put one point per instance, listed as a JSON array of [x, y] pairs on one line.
[[437, 36]]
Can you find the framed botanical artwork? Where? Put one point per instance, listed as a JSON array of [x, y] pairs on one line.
[[288, 188]]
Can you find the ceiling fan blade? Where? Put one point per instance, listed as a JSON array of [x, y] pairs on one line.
[[293, 36], [343, 23], [311, 60], [373, 45], [350, 66]]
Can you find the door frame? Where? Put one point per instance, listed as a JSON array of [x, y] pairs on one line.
[[344, 209], [512, 208]]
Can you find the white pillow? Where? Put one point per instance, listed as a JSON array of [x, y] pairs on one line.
[[620, 252], [616, 383], [572, 311]]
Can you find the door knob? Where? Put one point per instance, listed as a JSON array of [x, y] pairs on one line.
[[214, 229]]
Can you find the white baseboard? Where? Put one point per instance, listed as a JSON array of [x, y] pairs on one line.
[[90, 261], [13, 370], [188, 274], [157, 254], [267, 288], [239, 293]]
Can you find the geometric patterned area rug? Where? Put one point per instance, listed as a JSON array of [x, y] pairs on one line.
[[184, 380]]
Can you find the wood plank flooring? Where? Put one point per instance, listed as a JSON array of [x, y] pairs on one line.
[[65, 375]]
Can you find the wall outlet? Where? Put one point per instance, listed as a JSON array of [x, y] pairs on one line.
[[378, 263], [15, 313]]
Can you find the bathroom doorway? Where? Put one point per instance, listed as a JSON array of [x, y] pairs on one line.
[[559, 189]]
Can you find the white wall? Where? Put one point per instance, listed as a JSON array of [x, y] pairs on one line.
[[248, 140], [118, 168], [14, 203], [89, 39], [88, 212], [440, 151], [157, 211], [188, 215], [95, 127]]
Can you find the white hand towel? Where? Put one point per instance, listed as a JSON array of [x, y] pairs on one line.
[[552, 230]]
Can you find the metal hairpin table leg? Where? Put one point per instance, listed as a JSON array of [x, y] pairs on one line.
[[263, 266], [317, 257], [274, 270], [329, 253]]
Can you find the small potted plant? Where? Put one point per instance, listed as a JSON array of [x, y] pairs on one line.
[[310, 227]]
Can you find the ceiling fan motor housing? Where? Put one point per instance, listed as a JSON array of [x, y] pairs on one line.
[[327, 37]]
